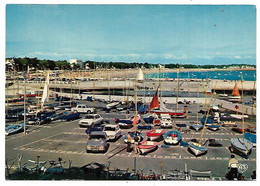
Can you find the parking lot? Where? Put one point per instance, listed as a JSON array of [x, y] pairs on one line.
[[68, 140]]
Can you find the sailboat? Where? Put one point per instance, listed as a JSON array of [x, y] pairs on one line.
[[13, 129], [196, 147], [235, 96], [140, 75], [196, 125], [250, 130], [242, 145], [160, 108]]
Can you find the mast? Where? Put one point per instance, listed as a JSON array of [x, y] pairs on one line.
[[135, 106], [178, 87], [24, 105], [208, 112], [243, 119]]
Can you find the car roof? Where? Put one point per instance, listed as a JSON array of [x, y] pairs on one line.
[[111, 125], [97, 133]]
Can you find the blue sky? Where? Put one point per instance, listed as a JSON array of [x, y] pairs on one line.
[[194, 34]]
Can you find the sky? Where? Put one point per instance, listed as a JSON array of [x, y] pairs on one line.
[[186, 34]]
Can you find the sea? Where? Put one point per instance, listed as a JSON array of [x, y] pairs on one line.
[[248, 75]]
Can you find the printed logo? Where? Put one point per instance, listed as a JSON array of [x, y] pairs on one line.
[[242, 167]]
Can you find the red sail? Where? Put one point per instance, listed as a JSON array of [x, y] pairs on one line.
[[235, 91], [155, 101]]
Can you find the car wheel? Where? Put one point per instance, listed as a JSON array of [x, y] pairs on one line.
[[88, 112]]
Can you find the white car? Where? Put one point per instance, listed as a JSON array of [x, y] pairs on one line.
[[90, 119], [113, 132], [84, 109]]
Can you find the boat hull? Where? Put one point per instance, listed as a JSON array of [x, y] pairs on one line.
[[172, 137], [197, 149], [155, 134], [147, 146], [244, 148]]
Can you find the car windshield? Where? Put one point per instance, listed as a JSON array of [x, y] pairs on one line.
[[96, 137], [89, 117], [110, 128]]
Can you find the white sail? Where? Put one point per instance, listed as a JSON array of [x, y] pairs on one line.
[[140, 75], [45, 91]]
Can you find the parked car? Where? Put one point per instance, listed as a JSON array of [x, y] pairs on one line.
[[113, 132], [95, 128], [84, 109], [90, 119], [97, 142]]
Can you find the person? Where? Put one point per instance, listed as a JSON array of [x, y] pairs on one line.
[[233, 166], [236, 107], [151, 175], [129, 140], [136, 139], [186, 111]]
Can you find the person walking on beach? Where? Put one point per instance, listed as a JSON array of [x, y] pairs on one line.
[[129, 140], [136, 148]]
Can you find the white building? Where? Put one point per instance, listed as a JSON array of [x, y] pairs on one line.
[[76, 62]]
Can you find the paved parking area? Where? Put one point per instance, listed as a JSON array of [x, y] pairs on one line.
[[68, 140]]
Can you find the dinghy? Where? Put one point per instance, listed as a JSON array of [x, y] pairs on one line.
[[235, 96], [159, 108], [128, 123], [196, 126], [112, 105], [197, 148], [133, 134], [243, 146], [147, 146], [148, 118], [213, 127], [13, 129], [229, 124], [154, 134], [250, 137], [172, 137]]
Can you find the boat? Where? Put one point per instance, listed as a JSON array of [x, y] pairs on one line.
[[213, 127], [235, 96], [238, 116], [155, 134], [13, 129], [148, 118], [172, 137], [196, 126], [229, 124], [160, 108], [238, 130], [133, 134], [112, 105], [140, 75], [147, 146], [197, 148], [128, 123], [208, 91], [144, 126], [241, 145], [209, 121], [250, 137]]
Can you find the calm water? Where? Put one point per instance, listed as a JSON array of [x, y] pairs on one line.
[[227, 75]]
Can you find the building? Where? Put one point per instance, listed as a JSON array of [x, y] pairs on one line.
[[9, 63], [76, 62]]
